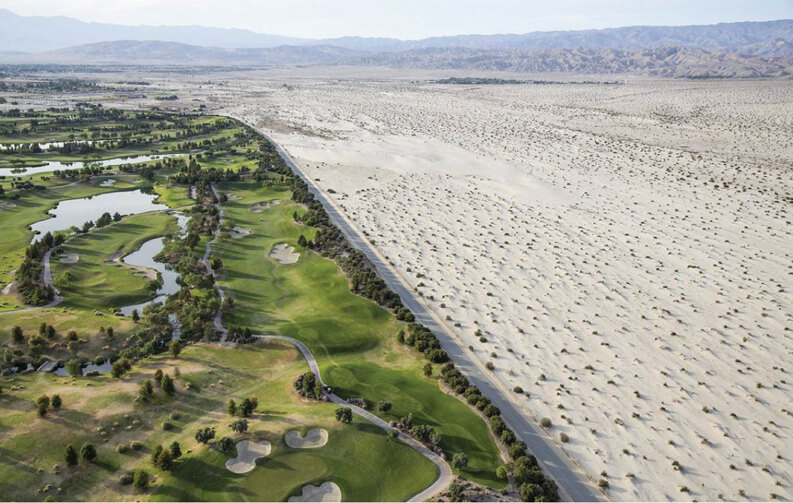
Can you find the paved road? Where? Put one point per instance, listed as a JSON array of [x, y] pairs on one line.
[[445, 475], [574, 484]]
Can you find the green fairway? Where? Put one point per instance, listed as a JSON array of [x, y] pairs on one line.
[[351, 337], [95, 281]]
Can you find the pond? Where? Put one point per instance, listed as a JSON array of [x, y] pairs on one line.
[[50, 166], [144, 257], [76, 212], [90, 368], [47, 145]]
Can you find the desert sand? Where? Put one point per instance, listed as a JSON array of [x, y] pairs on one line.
[[247, 454], [327, 491], [315, 437], [620, 252]]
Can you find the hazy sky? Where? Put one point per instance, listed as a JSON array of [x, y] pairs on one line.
[[407, 18]]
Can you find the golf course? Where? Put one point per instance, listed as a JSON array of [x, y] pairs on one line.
[[120, 380]]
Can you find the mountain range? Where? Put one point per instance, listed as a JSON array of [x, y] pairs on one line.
[[744, 49]]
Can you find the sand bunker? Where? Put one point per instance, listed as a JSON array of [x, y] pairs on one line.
[[108, 183], [284, 254], [316, 437], [233, 197], [247, 454], [7, 206], [259, 207], [239, 232], [69, 258], [327, 491]]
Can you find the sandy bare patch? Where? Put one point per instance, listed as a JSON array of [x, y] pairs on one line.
[[316, 437], [284, 254], [69, 258], [327, 491], [247, 454], [239, 232], [259, 207], [9, 288], [116, 259]]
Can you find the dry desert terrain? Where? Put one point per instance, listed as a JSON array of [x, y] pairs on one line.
[[622, 253]]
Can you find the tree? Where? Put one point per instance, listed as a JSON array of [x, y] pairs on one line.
[[56, 402], [226, 445], [164, 460], [88, 452], [74, 367], [247, 406], [176, 450], [239, 426], [530, 492], [424, 433], [19, 335], [42, 404], [383, 406], [459, 460], [146, 390], [344, 414], [71, 456], [120, 367], [175, 348], [309, 383], [428, 369], [167, 385], [301, 241], [141, 480], [204, 435], [407, 421], [135, 315], [392, 434], [231, 407], [502, 472]]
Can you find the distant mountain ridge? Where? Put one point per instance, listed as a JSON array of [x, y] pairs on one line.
[[38, 34], [687, 62]]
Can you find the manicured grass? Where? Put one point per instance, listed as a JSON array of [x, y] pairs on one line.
[[357, 457], [351, 337], [97, 283], [29, 208]]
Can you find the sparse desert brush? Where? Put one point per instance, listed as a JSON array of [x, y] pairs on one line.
[[545, 422]]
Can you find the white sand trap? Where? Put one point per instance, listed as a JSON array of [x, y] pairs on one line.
[[8, 288], [284, 254], [239, 232], [7, 206], [69, 258], [247, 454], [316, 437], [234, 197], [108, 183], [327, 491], [259, 207]]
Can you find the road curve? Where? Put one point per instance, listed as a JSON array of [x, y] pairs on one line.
[[574, 483], [46, 278], [445, 475]]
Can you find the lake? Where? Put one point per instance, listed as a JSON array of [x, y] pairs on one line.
[[50, 166]]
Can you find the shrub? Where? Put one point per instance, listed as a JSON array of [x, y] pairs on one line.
[[545, 422], [126, 479], [564, 438]]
